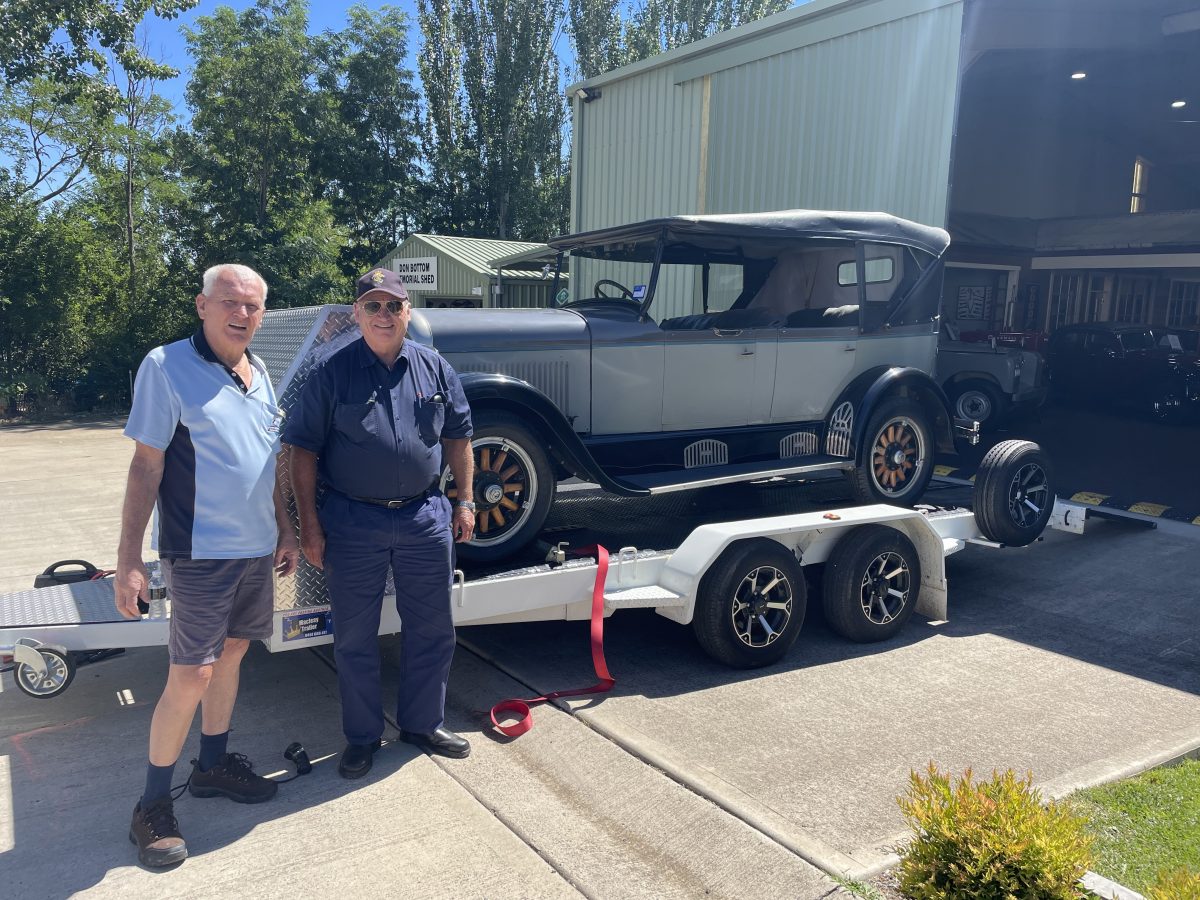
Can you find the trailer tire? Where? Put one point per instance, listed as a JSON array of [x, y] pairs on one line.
[[733, 621], [897, 461], [531, 485], [871, 584], [1014, 493], [60, 672]]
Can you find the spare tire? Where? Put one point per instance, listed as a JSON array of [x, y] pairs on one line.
[[1014, 493]]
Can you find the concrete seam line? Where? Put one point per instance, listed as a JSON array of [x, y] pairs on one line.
[[495, 813], [850, 867], [811, 849], [1108, 771]]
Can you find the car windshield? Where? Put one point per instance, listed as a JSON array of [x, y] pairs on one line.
[[1137, 340], [769, 285]]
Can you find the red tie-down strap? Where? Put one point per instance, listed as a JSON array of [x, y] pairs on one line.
[[520, 708]]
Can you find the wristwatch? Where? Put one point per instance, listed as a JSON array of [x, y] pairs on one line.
[[466, 504]]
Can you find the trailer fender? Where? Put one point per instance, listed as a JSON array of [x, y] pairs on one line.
[[811, 537], [490, 390]]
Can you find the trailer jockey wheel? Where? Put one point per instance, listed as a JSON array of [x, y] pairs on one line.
[[1014, 493], [751, 604], [872, 580], [60, 671]]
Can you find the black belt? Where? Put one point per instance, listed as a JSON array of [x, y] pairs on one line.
[[398, 503]]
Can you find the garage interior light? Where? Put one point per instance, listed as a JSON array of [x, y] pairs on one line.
[[1179, 104], [1078, 76]]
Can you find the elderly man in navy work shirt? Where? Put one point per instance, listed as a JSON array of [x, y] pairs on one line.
[[374, 420]]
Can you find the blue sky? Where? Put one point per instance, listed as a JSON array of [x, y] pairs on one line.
[[166, 43]]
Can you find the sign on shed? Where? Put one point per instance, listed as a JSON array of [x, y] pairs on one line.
[[418, 273]]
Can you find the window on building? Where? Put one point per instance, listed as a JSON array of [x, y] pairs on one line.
[[1184, 306], [1066, 299], [1133, 298], [1141, 179]]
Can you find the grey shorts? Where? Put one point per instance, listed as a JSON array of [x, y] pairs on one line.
[[212, 599]]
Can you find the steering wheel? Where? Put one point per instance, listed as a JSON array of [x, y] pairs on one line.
[[626, 293]]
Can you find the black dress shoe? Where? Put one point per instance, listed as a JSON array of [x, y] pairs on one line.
[[356, 759], [443, 742]]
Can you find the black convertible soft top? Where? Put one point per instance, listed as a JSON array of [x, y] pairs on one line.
[[736, 233]]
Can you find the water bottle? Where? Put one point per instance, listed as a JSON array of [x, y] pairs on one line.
[[156, 593]]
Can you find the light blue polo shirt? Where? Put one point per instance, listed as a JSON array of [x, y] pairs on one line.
[[216, 496]]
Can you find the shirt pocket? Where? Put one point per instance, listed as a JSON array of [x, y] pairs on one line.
[[357, 422], [431, 417]]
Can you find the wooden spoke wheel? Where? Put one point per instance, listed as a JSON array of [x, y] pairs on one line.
[[897, 463]]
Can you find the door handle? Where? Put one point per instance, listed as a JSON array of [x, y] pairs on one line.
[[849, 348], [727, 332], [747, 352]]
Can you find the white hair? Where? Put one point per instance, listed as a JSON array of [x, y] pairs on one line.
[[238, 271]]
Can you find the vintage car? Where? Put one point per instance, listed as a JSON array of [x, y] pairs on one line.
[[988, 381], [703, 350], [1125, 366]]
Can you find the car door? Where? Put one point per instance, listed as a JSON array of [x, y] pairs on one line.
[[720, 377]]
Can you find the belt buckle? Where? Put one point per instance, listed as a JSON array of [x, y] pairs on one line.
[[396, 504]]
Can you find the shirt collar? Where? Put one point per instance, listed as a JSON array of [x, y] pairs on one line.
[[200, 342], [367, 357]]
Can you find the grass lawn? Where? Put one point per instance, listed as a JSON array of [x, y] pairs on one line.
[[1144, 824]]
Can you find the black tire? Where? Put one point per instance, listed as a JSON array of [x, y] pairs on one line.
[[510, 510], [979, 401], [872, 583], [881, 455], [732, 621], [1014, 493], [60, 673]]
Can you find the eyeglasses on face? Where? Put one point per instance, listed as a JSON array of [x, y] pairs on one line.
[[371, 307]]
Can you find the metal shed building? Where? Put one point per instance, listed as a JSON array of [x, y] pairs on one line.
[[442, 271], [1055, 139]]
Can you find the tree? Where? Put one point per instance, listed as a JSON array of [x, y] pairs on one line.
[[496, 115], [250, 152], [606, 37], [367, 150], [64, 41]]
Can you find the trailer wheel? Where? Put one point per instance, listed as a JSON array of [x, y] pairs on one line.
[[897, 463], [750, 606], [513, 489], [872, 581], [60, 672], [1014, 493]]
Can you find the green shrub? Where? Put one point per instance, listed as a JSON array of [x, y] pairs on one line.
[[1180, 884], [992, 840]]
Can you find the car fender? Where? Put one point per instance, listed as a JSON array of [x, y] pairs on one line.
[[490, 390], [875, 385]]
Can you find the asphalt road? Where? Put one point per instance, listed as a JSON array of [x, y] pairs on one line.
[[1129, 458]]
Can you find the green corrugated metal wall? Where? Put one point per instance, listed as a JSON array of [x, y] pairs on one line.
[[836, 104]]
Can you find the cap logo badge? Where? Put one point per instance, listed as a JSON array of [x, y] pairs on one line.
[[377, 276]]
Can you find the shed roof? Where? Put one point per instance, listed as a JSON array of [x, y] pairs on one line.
[[477, 253]]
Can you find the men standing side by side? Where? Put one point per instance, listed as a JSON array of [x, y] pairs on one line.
[[206, 427], [374, 420]]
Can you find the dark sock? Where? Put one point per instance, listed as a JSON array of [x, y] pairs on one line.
[[212, 748], [158, 783]]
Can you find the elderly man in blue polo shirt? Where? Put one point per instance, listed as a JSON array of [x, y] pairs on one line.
[[206, 428], [375, 420]]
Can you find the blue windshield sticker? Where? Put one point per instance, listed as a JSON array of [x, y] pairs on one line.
[[639, 292]]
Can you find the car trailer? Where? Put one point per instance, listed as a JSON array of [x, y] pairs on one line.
[[740, 584]]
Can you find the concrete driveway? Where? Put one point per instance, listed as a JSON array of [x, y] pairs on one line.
[[1077, 659]]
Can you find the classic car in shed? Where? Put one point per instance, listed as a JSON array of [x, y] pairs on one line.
[[811, 351]]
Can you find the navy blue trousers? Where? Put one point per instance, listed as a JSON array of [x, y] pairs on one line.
[[362, 541]]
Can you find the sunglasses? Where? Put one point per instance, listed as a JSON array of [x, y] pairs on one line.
[[371, 307]]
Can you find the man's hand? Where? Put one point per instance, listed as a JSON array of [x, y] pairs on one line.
[[463, 525], [131, 582], [287, 554], [312, 542]]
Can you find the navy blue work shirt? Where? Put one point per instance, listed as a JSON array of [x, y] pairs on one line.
[[375, 430]]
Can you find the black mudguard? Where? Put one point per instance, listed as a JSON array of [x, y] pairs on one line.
[[870, 388], [489, 390]]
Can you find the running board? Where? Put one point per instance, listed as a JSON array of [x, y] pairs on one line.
[[707, 476]]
